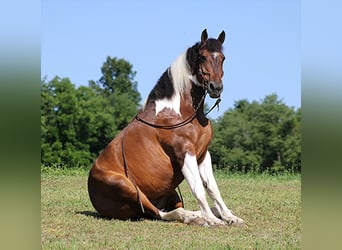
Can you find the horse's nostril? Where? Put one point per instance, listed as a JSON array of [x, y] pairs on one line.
[[211, 86]]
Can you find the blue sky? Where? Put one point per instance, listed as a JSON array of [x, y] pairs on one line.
[[262, 45]]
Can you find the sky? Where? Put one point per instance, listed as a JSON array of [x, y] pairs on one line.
[[262, 45]]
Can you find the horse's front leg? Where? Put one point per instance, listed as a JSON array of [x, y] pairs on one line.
[[220, 209], [191, 173]]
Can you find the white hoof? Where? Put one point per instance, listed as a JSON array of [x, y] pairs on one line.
[[189, 217], [213, 222], [234, 221], [179, 214]]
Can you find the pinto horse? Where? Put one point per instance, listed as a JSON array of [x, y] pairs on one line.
[[137, 174]]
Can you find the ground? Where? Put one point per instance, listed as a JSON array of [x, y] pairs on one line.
[[270, 206]]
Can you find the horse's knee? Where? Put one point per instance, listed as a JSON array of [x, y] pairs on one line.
[[114, 209], [107, 194]]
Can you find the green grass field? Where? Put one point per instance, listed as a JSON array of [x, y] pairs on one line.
[[270, 206]]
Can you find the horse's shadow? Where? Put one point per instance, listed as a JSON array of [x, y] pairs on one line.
[[98, 216], [91, 214]]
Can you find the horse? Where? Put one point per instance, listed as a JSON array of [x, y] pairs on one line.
[[137, 173]]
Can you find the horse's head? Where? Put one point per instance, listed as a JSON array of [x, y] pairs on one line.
[[208, 68]]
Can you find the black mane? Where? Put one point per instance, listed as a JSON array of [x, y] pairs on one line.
[[163, 88], [192, 57]]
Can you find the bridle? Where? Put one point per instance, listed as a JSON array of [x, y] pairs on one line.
[[194, 114]]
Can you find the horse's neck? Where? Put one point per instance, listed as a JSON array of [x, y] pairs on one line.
[[197, 95], [193, 101]]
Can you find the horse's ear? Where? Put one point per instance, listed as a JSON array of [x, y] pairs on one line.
[[221, 37], [204, 36]]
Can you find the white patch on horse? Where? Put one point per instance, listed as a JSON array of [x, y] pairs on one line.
[[173, 104], [180, 73], [215, 54]]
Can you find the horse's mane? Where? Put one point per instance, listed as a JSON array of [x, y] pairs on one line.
[[177, 76], [180, 73], [173, 80]]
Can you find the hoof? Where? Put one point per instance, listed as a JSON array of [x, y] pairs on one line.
[[235, 221], [199, 221], [196, 222]]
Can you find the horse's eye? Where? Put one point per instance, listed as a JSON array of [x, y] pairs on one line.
[[202, 58]]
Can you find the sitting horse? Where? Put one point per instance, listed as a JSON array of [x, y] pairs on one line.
[[137, 174]]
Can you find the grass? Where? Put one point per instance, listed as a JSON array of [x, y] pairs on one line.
[[270, 206]]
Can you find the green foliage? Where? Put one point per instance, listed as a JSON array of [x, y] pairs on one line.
[[77, 123], [258, 137]]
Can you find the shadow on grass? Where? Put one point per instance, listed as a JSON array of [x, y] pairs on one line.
[[96, 215], [93, 214]]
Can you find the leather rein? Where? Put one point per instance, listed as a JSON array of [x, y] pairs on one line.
[[185, 121]]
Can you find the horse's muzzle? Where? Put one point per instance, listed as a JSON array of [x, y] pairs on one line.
[[215, 89]]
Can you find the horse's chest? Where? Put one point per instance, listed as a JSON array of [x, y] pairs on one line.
[[193, 139], [203, 141]]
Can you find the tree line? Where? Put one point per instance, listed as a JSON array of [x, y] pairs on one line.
[[77, 123]]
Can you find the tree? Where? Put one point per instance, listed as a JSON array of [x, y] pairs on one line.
[[96, 123], [258, 137], [118, 86], [77, 123], [59, 124]]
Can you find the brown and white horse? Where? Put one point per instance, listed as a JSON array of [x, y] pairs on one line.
[[137, 173]]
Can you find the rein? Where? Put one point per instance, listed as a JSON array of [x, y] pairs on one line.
[[182, 123], [218, 100], [126, 171]]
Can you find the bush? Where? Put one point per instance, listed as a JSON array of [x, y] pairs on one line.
[[258, 137]]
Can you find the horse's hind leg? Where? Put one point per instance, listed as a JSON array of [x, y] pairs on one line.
[[114, 196]]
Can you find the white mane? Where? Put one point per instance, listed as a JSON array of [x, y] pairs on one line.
[[180, 74]]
